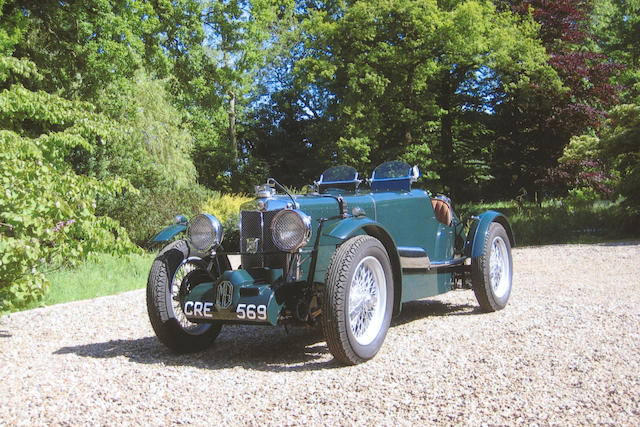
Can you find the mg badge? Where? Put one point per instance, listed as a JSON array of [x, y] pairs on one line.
[[225, 294], [252, 245]]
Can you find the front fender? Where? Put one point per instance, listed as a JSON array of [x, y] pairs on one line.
[[349, 227], [474, 244], [166, 234]]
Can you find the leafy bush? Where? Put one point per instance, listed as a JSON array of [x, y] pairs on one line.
[[587, 176], [48, 210], [47, 216], [145, 212], [618, 150], [152, 152], [71, 171], [226, 208], [621, 149]]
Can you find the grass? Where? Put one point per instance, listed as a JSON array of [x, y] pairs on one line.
[[106, 275]]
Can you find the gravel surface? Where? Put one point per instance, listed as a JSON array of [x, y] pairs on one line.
[[565, 351]]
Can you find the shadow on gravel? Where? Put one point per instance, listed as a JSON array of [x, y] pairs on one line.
[[5, 334], [251, 347], [261, 348], [420, 309]]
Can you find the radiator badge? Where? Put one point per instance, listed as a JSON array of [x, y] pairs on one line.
[[252, 245], [225, 294]]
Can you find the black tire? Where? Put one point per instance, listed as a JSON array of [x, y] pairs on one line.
[[347, 342], [492, 292], [181, 336]]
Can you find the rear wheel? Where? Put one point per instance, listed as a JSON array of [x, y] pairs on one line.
[[168, 283], [358, 300], [492, 271]]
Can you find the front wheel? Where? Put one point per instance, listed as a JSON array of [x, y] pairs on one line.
[[358, 300], [491, 272], [170, 275]]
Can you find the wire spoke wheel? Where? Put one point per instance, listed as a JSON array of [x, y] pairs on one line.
[[172, 275], [358, 300], [499, 268], [179, 289], [367, 299], [491, 272]]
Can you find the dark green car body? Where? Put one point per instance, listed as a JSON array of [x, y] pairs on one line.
[[429, 253]]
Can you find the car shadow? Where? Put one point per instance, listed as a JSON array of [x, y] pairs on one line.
[[252, 347], [263, 348], [415, 310]]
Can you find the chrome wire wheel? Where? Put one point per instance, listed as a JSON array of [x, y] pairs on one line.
[[499, 267], [173, 273], [491, 272], [186, 267], [367, 300], [357, 301]]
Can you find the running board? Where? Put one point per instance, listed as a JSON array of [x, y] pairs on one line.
[[415, 258], [456, 262]]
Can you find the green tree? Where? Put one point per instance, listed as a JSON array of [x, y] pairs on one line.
[[419, 80], [621, 149], [537, 123], [153, 152], [121, 57], [80, 46], [289, 132], [616, 26], [615, 151], [238, 36]]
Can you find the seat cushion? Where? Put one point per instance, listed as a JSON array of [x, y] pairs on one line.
[[442, 210]]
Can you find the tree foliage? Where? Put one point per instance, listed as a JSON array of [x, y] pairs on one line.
[[621, 149], [68, 166], [413, 80], [616, 28], [117, 115], [153, 152], [538, 125], [47, 210]]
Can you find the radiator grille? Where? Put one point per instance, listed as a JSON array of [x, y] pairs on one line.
[[255, 225]]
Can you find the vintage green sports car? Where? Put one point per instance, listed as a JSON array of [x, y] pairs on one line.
[[341, 255]]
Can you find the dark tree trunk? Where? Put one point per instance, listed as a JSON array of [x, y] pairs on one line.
[[447, 175], [235, 179]]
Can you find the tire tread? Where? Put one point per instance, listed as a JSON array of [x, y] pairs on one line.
[[334, 323], [480, 279], [165, 327]]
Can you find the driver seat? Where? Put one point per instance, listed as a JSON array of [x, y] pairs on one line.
[[442, 209]]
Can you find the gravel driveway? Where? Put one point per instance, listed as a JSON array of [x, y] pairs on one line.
[[566, 350]]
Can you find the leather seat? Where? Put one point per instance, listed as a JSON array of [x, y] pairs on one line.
[[442, 209]]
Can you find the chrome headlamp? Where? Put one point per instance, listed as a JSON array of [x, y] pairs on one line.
[[204, 232], [290, 229]]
